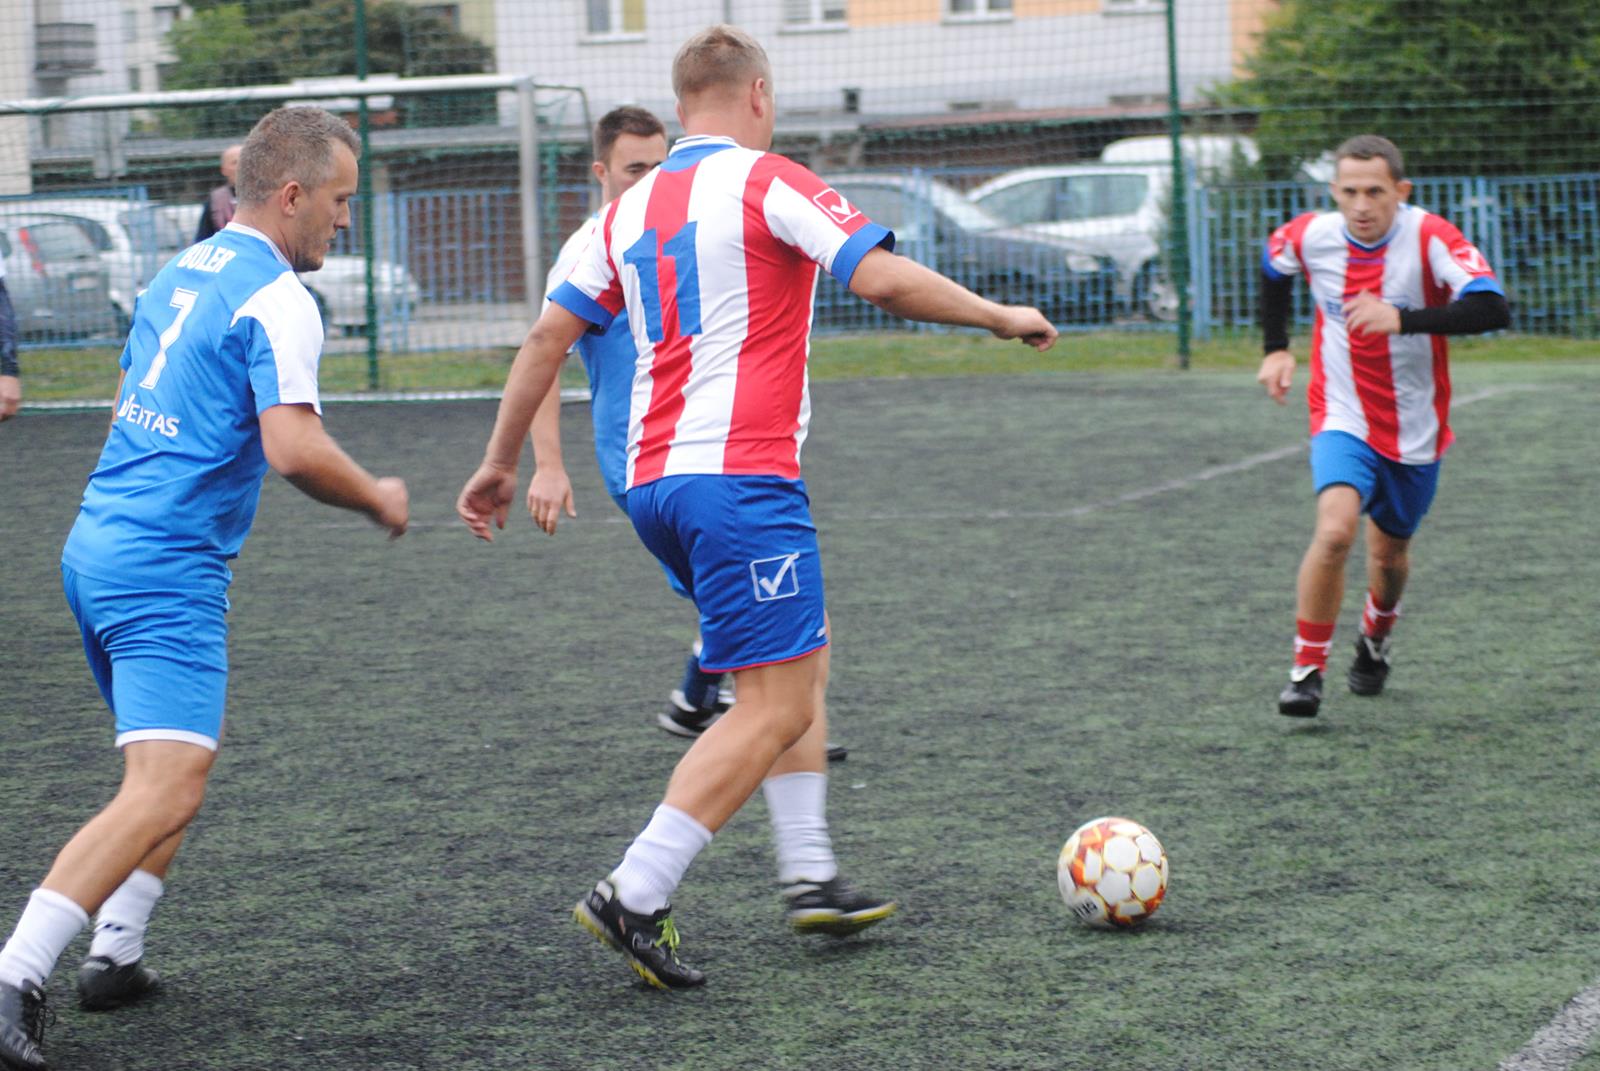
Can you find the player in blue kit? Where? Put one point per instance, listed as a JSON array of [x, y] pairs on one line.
[[628, 143], [219, 382]]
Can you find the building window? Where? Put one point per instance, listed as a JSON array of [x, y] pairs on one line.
[[1135, 7], [614, 18], [166, 17], [449, 14], [130, 25], [978, 9], [804, 13]]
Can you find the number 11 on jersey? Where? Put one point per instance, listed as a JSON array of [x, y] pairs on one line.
[[680, 250]]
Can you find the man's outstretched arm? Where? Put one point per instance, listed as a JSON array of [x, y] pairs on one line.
[[909, 290], [302, 452]]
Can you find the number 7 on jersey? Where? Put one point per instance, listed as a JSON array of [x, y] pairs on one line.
[[183, 301]]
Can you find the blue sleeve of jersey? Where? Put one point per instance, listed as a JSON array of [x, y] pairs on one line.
[[857, 246], [1484, 282], [581, 305]]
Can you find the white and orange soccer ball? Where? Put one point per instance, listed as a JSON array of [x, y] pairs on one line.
[[1112, 872]]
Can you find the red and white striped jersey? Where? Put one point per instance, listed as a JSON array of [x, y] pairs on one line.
[[1391, 391], [714, 255]]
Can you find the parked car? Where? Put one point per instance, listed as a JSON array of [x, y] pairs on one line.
[[936, 226], [136, 239], [56, 280], [1118, 210]]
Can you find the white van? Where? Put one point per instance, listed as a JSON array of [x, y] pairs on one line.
[[1213, 155]]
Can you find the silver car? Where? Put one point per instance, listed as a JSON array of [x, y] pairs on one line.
[[58, 284]]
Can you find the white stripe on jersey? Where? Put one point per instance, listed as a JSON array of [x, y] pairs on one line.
[[288, 314]]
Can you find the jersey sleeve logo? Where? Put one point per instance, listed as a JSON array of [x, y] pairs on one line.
[[832, 202], [1278, 242], [1472, 262]]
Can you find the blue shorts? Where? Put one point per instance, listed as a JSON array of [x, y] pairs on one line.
[[159, 657], [672, 580], [745, 550], [1395, 496]]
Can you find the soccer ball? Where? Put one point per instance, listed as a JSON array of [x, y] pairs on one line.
[[1112, 873]]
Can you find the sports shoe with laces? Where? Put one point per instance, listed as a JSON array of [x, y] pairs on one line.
[[1371, 665], [103, 984], [23, 1017], [1302, 696], [833, 906], [648, 942]]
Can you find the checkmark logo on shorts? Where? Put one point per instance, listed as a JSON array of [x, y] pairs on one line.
[[776, 578]]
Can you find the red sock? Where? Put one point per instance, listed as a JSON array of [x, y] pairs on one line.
[[1376, 620], [1311, 640]]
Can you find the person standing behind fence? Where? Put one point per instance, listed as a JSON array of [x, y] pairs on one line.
[[1389, 281], [10, 373], [714, 259], [219, 382], [223, 201]]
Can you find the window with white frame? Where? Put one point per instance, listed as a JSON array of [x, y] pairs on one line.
[[1142, 7], [828, 13], [977, 9], [615, 18]]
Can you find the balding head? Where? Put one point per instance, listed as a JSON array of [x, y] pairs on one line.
[[721, 60]]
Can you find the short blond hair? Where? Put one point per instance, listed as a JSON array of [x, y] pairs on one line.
[[718, 57]]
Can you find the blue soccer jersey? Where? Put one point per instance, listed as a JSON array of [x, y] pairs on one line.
[[609, 359], [224, 332]]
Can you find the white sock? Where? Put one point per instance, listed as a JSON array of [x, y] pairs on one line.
[[657, 858], [120, 925], [799, 806], [47, 927]]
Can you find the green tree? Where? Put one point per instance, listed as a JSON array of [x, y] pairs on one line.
[[1462, 86], [276, 41]]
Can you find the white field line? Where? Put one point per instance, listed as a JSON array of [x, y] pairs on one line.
[[1564, 1040], [568, 394]]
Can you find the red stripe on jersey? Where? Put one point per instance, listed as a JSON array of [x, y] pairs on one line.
[[1369, 357], [1434, 295], [770, 387], [671, 360], [1317, 391]]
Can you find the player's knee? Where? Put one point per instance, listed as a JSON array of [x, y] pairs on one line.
[[170, 801], [1333, 538], [790, 720]]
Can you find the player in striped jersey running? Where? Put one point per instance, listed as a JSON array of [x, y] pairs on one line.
[[629, 142], [1388, 281], [714, 259]]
